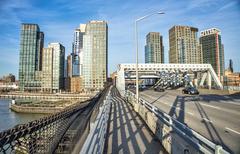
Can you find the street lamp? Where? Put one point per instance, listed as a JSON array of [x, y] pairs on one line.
[[136, 39]]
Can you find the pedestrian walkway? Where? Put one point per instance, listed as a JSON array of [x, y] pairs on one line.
[[127, 133]]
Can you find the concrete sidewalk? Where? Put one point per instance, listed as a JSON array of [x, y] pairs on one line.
[[127, 133]]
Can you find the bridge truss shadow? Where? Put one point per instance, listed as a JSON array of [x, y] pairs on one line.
[[179, 104]]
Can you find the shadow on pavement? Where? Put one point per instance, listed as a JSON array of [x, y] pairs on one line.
[[214, 97], [129, 133], [212, 131], [177, 111], [179, 105]]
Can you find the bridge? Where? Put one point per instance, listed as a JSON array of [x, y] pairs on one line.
[[202, 74], [112, 123]]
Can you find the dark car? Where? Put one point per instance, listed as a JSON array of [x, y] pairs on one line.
[[159, 89], [190, 90], [142, 87]]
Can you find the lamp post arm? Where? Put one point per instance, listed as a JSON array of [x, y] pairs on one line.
[[141, 18], [136, 39]]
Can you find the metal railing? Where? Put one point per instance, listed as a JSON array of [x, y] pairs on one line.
[[43, 135], [195, 139], [97, 136]]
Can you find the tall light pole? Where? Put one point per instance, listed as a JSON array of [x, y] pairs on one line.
[[136, 39]]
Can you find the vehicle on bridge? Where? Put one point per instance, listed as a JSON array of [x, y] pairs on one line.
[[159, 89], [142, 87], [190, 90]]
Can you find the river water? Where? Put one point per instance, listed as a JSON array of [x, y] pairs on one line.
[[9, 118]]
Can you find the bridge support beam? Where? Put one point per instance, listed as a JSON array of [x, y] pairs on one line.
[[120, 81], [209, 80], [203, 79], [195, 80]]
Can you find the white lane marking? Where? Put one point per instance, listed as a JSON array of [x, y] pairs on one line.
[[232, 103], [190, 113], [232, 130], [207, 120], [211, 106]]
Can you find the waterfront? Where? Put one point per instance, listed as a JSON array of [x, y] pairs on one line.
[[10, 118]]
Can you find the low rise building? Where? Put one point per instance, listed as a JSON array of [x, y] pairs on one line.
[[231, 78], [8, 78], [74, 84]]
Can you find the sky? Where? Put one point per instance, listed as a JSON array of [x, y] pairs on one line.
[[58, 19]]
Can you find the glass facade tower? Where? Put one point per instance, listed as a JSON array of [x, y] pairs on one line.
[[57, 66], [213, 51], [184, 45], [30, 63], [154, 52], [95, 50], [77, 53]]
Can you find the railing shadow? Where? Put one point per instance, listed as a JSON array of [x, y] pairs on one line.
[[179, 104], [129, 134], [211, 130]]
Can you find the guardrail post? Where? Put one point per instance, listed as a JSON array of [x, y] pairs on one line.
[[218, 148]]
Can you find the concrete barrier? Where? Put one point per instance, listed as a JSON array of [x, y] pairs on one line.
[[136, 107], [166, 138], [141, 112], [151, 121], [159, 129], [39, 110]]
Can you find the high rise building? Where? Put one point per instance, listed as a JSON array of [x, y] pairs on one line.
[[184, 46], [53, 68], [95, 55], [47, 69], [154, 52], [58, 58], [78, 38], [77, 50], [212, 49], [73, 83], [30, 63], [69, 65]]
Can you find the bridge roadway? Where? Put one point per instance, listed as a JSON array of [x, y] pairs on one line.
[[216, 117], [127, 133]]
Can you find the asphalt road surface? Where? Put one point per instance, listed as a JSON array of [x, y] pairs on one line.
[[217, 117]]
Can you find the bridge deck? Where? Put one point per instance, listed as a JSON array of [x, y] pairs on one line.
[[127, 132]]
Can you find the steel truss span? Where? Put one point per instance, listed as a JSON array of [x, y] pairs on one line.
[[44, 135], [126, 71]]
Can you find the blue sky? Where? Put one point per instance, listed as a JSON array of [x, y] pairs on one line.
[[58, 19]]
